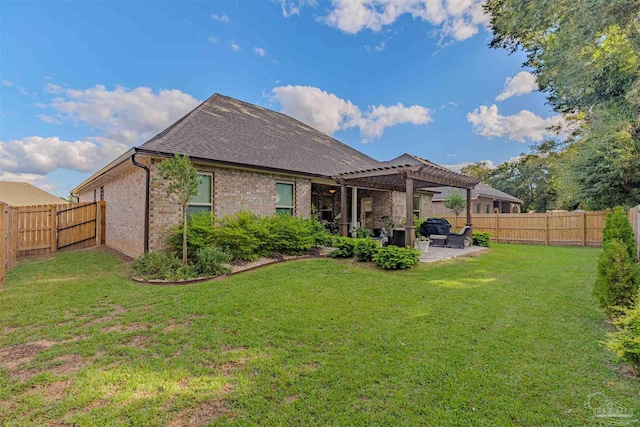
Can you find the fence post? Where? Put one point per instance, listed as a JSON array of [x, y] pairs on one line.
[[584, 229], [2, 243], [98, 223], [497, 228], [53, 223], [546, 228]]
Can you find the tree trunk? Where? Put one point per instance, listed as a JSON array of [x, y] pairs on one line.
[[184, 236]]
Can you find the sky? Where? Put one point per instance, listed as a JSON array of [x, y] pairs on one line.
[[82, 81]]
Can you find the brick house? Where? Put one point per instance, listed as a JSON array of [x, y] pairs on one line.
[[248, 158], [484, 200]]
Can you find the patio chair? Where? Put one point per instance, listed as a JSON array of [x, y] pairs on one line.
[[458, 240]]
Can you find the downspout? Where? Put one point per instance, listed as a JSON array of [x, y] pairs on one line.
[[146, 199]]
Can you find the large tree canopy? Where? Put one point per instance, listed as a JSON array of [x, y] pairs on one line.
[[586, 56]]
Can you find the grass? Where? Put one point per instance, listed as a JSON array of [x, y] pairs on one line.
[[510, 337]]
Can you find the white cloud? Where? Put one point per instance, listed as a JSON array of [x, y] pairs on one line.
[[259, 51], [212, 40], [123, 115], [328, 113], [52, 88], [292, 7], [39, 181], [519, 127], [38, 155], [236, 47], [223, 17], [458, 19], [49, 119], [521, 83], [122, 118], [7, 83]]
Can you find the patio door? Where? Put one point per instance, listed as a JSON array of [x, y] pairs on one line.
[[366, 212]]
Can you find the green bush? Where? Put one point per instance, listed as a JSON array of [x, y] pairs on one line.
[[362, 233], [617, 226], [244, 235], [321, 236], [481, 239], [211, 260], [625, 343], [417, 222], [617, 281], [395, 258], [345, 247], [289, 235], [200, 228], [159, 265], [365, 249]]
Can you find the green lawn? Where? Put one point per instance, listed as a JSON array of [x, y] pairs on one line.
[[510, 337]]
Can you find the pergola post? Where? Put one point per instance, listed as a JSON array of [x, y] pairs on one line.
[[344, 220], [409, 229], [468, 207], [354, 207]]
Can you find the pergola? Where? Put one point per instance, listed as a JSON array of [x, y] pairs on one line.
[[403, 178]]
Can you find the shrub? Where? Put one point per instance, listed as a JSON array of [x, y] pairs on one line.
[[625, 343], [159, 265], [362, 233], [395, 258], [210, 261], [289, 235], [617, 226], [481, 239], [617, 281], [417, 222], [244, 235], [200, 229], [365, 249], [345, 247], [319, 233]]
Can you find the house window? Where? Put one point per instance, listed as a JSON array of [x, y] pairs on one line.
[[488, 209], [284, 198], [478, 207], [416, 206], [202, 202]]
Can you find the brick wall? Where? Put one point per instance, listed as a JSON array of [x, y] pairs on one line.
[[234, 190], [124, 196]]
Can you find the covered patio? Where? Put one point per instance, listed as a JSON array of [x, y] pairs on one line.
[[405, 178]]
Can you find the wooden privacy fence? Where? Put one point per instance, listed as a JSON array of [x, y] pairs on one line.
[[553, 228], [43, 229]]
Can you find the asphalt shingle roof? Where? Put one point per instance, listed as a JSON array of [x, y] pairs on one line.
[[227, 130], [25, 194], [480, 190]]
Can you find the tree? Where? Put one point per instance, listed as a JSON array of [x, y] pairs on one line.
[[182, 184], [455, 202], [529, 178], [480, 170], [585, 55]]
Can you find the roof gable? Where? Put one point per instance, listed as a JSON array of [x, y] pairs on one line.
[[481, 189], [227, 130]]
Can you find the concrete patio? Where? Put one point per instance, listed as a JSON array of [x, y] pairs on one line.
[[435, 254]]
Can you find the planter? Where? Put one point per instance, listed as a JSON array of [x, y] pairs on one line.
[[423, 245]]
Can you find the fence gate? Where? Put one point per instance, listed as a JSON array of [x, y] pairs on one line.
[[80, 226]]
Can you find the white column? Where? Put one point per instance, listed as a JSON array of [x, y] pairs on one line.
[[354, 207]]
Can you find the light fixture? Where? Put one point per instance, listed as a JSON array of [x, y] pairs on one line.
[[332, 191]]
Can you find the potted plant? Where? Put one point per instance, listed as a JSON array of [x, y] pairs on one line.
[[422, 243]]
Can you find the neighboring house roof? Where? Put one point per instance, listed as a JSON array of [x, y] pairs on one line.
[[227, 130], [25, 194], [482, 190]]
